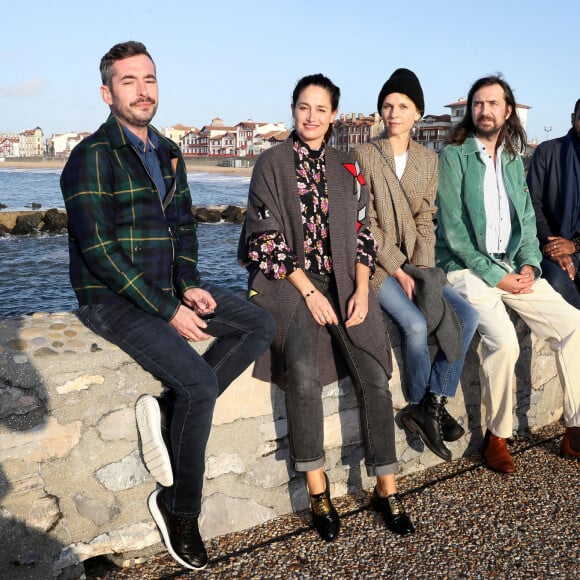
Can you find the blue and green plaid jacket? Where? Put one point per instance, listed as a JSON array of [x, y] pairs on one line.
[[124, 242]]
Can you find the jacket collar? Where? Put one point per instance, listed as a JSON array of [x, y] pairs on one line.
[[470, 146], [118, 138]]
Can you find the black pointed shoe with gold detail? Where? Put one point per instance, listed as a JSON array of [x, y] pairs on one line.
[[395, 517], [324, 515]]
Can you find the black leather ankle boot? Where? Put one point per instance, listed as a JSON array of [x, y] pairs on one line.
[[425, 419], [451, 429]]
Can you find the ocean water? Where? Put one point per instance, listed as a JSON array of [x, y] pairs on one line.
[[34, 271]]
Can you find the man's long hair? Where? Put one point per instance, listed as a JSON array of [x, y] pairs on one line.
[[512, 134]]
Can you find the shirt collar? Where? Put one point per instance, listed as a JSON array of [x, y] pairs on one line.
[[152, 137], [483, 149]]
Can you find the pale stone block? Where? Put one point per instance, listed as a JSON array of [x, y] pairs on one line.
[[217, 465], [124, 474], [136, 536], [41, 443], [95, 510], [119, 424], [223, 514], [44, 513], [246, 397], [271, 471], [342, 429], [80, 384], [273, 430]]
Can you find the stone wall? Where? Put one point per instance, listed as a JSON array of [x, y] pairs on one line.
[[72, 483]]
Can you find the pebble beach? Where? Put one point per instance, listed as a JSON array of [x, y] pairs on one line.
[[471, 523]]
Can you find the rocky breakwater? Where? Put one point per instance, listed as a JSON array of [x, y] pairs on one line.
[[54, 221], [21, 223], [72, 481]]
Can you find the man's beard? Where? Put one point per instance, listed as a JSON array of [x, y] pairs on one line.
[[493, 131], [133, 120]]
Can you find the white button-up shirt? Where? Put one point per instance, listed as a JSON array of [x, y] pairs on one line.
[[498, 207]]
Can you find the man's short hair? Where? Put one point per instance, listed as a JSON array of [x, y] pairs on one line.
[[577, 108], [119, 52]]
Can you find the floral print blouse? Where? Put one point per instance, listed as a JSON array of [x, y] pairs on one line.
[[270, 250]]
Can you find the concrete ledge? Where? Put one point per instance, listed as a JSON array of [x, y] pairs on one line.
[[72, 484]]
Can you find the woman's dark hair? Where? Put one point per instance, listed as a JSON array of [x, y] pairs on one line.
[[119, 52], [512, 134], [318, 80]]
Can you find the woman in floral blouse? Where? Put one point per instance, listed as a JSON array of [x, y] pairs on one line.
[[310, 255]]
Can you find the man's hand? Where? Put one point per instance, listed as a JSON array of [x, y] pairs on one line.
[[200, 301], [558, 247], [188, 321], [559, 250], [518, 283]]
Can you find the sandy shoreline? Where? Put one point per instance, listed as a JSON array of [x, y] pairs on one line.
[[192, 167]]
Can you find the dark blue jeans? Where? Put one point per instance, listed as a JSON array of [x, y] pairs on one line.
[[421, 375], [304, 391], [560, 281], [243, 332]]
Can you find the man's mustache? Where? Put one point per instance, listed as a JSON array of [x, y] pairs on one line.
[[143, 100]]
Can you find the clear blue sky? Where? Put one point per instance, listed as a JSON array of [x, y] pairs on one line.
[[240, 59]]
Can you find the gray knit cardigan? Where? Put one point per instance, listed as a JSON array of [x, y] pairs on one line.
[[274, 205]]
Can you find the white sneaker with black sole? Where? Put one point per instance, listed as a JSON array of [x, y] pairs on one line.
[[155, 452]]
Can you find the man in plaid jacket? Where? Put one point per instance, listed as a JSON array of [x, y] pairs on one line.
[[133, 266]]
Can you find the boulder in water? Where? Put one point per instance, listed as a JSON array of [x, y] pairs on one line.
[[54, 222], [27, 224], [233, 214], [208, 215]]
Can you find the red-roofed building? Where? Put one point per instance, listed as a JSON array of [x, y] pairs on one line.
[[352, 129], [432, 131]]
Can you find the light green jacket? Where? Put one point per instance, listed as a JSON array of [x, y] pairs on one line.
[[461, 215]]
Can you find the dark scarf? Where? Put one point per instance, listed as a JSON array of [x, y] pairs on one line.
[[570, 186]]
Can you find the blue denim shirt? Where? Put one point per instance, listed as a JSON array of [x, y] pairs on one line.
[[148, 154]]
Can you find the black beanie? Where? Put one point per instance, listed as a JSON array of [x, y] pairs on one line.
[[406, 82]]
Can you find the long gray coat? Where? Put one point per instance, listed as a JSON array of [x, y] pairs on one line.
[[274, 204]]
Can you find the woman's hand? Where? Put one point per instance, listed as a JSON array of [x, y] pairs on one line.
[[357, 307], [406, 282], [321, 309]]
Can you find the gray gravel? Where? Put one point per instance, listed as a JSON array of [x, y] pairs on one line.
[[471, 523]]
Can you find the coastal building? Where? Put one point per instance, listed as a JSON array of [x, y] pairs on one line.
[[352, 129], [61, 144], [459, 107], [31, 143], [245, 139], [9, 146], [433, 130], [177, 132]]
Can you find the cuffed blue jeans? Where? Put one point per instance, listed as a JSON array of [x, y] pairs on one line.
[[421, 376], [243, 332], [304, 391]]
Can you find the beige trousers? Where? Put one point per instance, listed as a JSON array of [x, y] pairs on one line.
[[548, 316]]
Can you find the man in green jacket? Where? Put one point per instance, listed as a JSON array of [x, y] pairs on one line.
[[133, 266], [487, 244]]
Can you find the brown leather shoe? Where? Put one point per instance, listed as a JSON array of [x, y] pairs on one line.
[[570, 447], [496, 455]]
